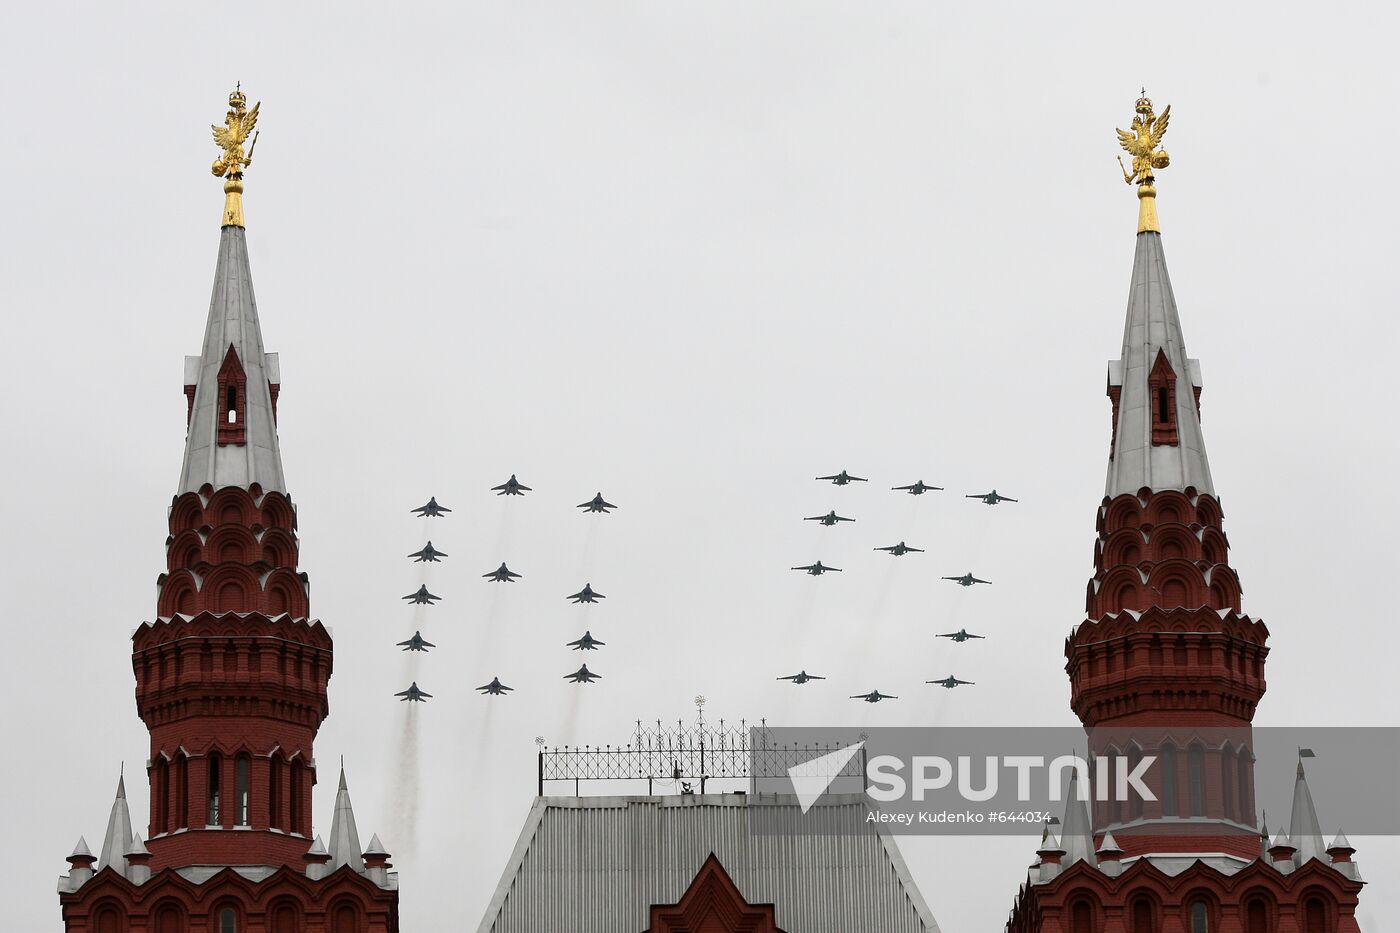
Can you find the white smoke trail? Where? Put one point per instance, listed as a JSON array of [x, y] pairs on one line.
[[407, 790]]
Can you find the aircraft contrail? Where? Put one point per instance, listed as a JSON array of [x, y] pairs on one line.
[[405, 804]]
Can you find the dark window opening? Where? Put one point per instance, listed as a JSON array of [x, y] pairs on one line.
[[1163, 410], [242, 775], [231, 405], [1200, 918], [1196, 766], [215, 766]]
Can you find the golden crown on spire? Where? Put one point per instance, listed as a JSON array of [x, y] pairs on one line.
[[1141, 142], [239, 123]]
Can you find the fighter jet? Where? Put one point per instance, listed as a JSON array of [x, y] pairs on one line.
[[829, 519], [842, 478], [501, 574], [992, 498], [949, 682], [421, 596], [967, 579], [586, 595], [802, 677], [874, 696], [586, 643], [495, 687], [597, 504], [417, 643], [961, 635], [413, 694], [429, 553], [916, 489], [511, 487], [817, 569], [900, 549], [583, 676], [431, 510]]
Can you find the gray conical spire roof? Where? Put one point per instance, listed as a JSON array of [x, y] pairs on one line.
[[1303, 827], [118, 839], [233, 322], [1077, 833], [344, 843], [1153, 326]]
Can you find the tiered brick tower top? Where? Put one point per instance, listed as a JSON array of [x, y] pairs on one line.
[[231, 678], [1165, 666], [231, 682], [1165, 655]]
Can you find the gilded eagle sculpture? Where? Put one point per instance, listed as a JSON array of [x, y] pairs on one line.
[[1141, 142], [239, 124]]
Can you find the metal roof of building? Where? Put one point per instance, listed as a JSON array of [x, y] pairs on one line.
[[1152, 325], [233, 322], [599, 863]]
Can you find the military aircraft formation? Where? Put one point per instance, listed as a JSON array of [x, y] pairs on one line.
[[598, 504], [917, 488], [502, 574]]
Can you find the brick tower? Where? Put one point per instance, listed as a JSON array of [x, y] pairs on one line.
[[1165, 665], [231, 676]]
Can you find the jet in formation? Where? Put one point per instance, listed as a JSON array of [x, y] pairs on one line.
[[900, 549], [431, 510], [961, 635], [586, 595], [916, 489], [421, 596], [597, 504], [829, 519], [583, 676], [413, 694], [966, 579], [842, 478], [429, 553], [511, 487], [992, 498], [802, 677], [501, 574], [586, 643], [874, 696], [495, 687], [950, 682], [417, 643], [817, 569]]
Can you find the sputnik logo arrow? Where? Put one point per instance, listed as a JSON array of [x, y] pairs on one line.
[[811, 778]]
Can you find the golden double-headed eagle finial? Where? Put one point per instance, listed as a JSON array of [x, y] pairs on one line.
[[239, 123], [1141, 142]]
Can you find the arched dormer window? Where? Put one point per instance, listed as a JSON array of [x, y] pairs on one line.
[[1198, 916], [1143, 921], [1161, 387], [1169, 807], [242, 778], [274, 791], [182, 790], [232, 406], [294, 792], [216, 765], [162, 794], [1081, 917], [1227, 783], [1196, 779], [1315, 916]]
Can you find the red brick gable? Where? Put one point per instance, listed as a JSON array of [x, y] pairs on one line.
[[712, 904]]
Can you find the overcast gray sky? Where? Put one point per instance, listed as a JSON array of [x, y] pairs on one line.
[[691, 255]]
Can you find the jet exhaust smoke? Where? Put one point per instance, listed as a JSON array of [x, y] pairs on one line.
[[407, 788]]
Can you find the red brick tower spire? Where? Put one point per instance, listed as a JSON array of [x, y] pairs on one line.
[[231, 680], [1166, 667]]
